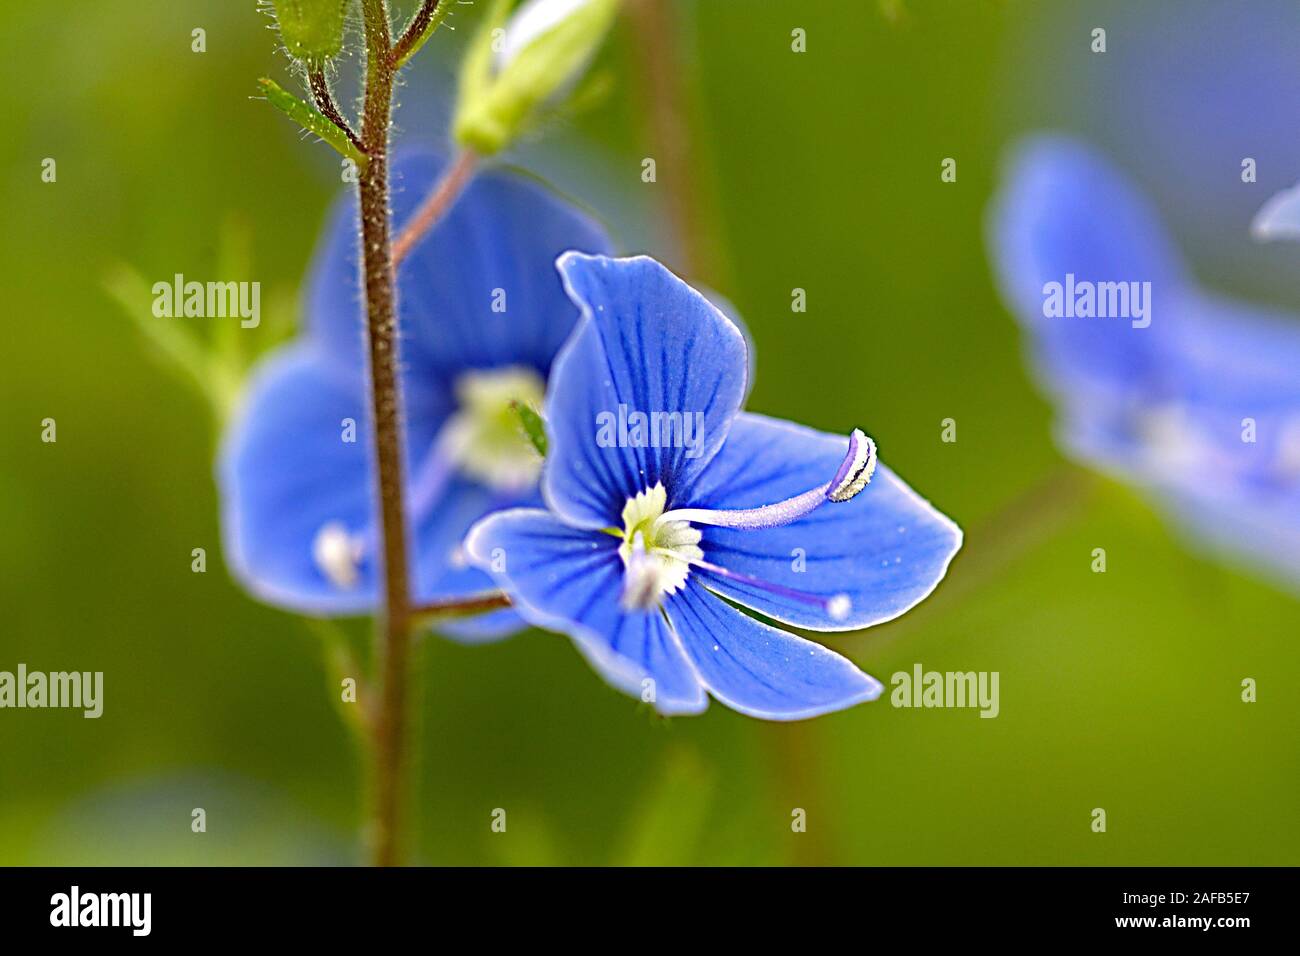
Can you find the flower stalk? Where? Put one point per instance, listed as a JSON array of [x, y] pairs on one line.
[[436, 204], [394, 622], [312, 32]]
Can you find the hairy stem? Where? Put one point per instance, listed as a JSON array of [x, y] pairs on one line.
[[394, 622], [320, 91], [417, 31], [436, 204]]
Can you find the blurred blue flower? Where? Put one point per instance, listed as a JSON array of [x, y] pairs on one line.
[[1198, 401], [1279, 218], [482, 318], [652, 530]]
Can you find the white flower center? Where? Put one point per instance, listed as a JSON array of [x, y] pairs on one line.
[[484, 436], [483, 439], [656, 554]]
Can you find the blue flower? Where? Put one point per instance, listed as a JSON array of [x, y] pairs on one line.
[[667, 506], [482, 318], [1279, 218], [1198, 400]]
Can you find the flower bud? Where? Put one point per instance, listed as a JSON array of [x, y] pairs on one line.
[[522, 61], [312, 30]]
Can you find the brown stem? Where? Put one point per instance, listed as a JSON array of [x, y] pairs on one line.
[[394, 622], [461, 607], [413, 32], [435, 205], [320, 91]]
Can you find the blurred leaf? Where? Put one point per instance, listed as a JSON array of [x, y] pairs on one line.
[[177, 349], [666, 830]]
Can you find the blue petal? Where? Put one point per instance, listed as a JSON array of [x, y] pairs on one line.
[[569, 580], [648, 343], [885, 550], [1234, 353], [1218, 508], [285, 472], [1261, 530], [1228, 362], [1065, 210], [759, 670], [728, 308], [442, 566], [503, 233], [1279, 218]]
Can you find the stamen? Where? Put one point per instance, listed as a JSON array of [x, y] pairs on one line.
[[837, 606], [852, 476], [654, 555], [641, 577]]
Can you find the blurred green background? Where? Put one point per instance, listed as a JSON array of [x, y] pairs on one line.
[[817, 170]]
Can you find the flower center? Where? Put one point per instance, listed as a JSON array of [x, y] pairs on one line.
[[656, 554], [482, 439], [660, 547], [483, 436]]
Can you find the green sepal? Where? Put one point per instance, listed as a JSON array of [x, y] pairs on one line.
[[534, 427], [312, 30]]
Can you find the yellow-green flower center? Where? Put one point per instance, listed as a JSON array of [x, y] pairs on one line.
[[484, 437], [656, 554]]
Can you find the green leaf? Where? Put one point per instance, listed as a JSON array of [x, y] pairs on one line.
[[311, 119], [533, 425]]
